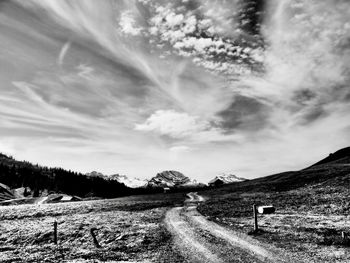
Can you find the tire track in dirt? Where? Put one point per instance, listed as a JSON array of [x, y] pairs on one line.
[[186, 224], [193, 247]]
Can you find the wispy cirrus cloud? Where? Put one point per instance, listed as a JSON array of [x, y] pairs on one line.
[[152, 85], [63, 52]]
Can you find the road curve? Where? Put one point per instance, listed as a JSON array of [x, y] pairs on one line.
[[200, 240]]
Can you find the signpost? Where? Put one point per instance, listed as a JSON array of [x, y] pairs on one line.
[[267, 209]]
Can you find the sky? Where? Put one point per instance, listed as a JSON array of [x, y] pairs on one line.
[[136, 87]]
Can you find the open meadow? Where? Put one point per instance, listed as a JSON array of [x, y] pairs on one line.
[[309, 220], [128, 229]]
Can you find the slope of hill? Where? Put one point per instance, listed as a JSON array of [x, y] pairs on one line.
[[325, 183], [334, 169], [312, 206], [339, 157], [5, 193], [38, 179]]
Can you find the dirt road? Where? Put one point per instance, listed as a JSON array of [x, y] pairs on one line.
[[200, 240]]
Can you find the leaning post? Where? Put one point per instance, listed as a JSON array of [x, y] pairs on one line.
[[92, 232]]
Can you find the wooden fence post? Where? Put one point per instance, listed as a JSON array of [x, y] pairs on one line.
[[92, 232], [343, 236], [55, 232], [255, 218]]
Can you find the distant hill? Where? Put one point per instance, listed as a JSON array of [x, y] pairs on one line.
[[39, 179], [333, 170], [311, 205]]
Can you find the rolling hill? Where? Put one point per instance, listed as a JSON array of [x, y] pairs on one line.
[[312, 207], [326, 183], [334, 170], [341, 157]]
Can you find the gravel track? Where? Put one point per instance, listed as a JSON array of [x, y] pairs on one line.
[[200, 240]]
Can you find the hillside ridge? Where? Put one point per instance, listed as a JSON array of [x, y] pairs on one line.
[[341, 156], [39, 179]]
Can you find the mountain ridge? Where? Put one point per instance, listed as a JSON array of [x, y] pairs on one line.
[[164, 179], [173, 179], [129, 182]]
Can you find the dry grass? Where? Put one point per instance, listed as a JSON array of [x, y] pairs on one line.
[[308, 220], [128, 229]]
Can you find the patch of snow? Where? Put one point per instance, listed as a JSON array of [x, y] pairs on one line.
[[130, 182], [227, 178]]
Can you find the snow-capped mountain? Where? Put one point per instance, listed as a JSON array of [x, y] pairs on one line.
[[172, 179], [95, 174], [169, 179], [193, 183], [226, 179], [129, 182]]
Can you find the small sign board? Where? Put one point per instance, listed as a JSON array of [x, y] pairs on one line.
[[267, 209]]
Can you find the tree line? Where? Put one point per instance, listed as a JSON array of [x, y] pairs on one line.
[[38, 178]]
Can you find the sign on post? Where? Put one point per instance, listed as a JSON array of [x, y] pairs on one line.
[[267, 209]]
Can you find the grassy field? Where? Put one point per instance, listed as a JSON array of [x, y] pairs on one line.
[[128, 229], [309, 219], [312, 211]]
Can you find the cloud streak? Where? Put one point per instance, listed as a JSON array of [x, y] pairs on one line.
[[63, 52], [197, 86]]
